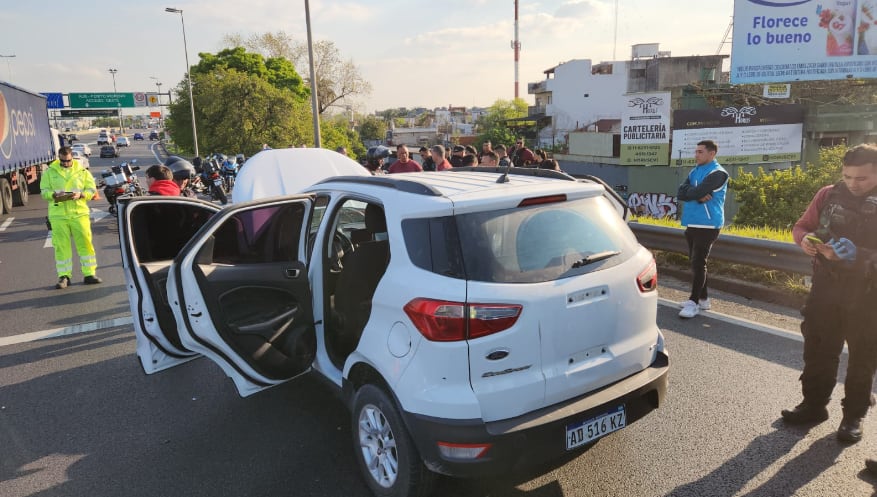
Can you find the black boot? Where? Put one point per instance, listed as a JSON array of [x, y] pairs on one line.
[[805, 413], [850, 429]]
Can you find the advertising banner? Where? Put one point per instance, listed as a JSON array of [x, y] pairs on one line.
[[803, 40], [745, 135], [645, 129]]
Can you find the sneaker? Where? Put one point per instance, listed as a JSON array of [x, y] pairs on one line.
[[689, 309], [92, 280], [63, 281], [804, 414], [704, 304]]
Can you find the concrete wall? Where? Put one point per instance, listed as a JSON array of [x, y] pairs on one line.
[[592, 144]]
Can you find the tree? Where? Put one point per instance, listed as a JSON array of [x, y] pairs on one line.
[[337, 79], [778, 198], [494, 122], [241, 101], [373, 128]]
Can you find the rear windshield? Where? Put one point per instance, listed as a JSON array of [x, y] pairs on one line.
[[522, 245]]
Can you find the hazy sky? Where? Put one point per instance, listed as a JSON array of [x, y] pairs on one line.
[[415, 52]]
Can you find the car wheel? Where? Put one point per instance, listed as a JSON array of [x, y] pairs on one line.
[[384, 450]]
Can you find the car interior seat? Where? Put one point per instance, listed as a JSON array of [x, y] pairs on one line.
[[363, 269]]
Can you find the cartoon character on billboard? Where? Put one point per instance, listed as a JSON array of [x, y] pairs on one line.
[[839, 18]]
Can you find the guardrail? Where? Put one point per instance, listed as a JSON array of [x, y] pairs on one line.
[[768, 254]]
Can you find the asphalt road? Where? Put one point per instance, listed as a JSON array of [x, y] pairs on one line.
[[79, 418]]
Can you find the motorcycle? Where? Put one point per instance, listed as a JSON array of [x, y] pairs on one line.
[[229, 173], [212, 178], [120, 180]]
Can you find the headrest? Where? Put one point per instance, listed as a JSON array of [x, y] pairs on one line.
[[375, 221]]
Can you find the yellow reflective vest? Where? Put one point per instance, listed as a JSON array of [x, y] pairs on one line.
[[67, 179]]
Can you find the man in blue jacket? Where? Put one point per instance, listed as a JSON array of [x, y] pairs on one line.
[[703, 215]]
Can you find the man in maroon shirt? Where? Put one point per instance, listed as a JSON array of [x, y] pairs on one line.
[[438, 156], [404, 164]]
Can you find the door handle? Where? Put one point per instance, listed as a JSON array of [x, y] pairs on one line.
[[292, 273]]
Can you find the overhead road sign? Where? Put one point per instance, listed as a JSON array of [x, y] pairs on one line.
[[100, 100], [54, 100], [89, 113]]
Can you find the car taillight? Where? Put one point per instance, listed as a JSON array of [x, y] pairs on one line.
[[444, 321], [647, 280], [120, 189], [548, 199]]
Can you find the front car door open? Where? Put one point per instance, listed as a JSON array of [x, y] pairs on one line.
[[240, 291]]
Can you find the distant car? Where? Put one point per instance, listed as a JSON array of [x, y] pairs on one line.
[[77, 155], [153, 135], [103, 139], [72, 137], [122, 141], [138, 136], [82, 148], [108, 151]]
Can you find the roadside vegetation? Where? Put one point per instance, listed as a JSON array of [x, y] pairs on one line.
[[771, 203]]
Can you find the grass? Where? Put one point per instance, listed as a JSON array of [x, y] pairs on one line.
[[788, 282]]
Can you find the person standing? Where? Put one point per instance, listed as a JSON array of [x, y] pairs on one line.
[[503, 158], [486, 148], [404, 164], [839, 230], [68, 187], [426, 160], [522, 156], [703, 215], [438, 156]]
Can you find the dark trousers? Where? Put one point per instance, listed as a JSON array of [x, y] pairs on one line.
[[839, 310], [700, 242]]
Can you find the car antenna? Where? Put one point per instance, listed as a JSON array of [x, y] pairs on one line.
[[505, 176]]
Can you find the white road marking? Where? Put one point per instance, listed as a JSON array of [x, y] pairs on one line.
[[753, 325], [68, 330], [97, 214], [6, 224], [48, 243]]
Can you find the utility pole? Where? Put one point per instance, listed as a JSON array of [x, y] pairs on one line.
[[314, 100], [119, 104], [516, 45]]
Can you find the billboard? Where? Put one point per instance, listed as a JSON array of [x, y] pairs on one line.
[[645, 129], [803, 40], [744, 134]]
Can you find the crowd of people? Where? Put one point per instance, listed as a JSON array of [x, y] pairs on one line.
[[380, 160]]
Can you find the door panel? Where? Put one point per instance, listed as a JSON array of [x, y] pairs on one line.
[[153, 232], [244, 293]]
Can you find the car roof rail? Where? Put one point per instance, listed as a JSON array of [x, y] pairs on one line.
[[520, 171], [387, 181]]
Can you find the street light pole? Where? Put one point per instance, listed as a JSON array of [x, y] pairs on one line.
[[314, 97], [115, 94], [188, 76], [8, 67]]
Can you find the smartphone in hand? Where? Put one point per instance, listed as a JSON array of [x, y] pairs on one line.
[[815, 240]]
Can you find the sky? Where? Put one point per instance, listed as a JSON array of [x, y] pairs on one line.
[[415, 53]]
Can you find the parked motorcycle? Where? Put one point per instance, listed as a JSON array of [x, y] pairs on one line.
[[213, 179], [229, 174], [120, 180]]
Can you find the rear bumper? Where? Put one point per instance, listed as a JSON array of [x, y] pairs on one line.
[[537, 437]]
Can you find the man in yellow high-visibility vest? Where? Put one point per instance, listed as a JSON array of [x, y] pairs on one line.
[[68, 187]]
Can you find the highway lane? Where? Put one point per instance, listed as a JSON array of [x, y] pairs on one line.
[[79, 418], [29, 301]]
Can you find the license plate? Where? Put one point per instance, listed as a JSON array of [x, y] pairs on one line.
[[581, 433], [217, 182]]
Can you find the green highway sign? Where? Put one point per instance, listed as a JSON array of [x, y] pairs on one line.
[[90, 113], [100, 100]]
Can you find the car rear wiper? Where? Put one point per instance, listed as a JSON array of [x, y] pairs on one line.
[[598, 256]]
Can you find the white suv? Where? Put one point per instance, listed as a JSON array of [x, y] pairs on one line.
[[474, 322]]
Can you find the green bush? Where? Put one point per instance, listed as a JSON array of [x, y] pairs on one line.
[[778, 198]]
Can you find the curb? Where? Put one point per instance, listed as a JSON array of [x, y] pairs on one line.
[[744, 289]]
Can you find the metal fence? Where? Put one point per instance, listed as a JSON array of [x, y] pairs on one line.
[[768, 254]]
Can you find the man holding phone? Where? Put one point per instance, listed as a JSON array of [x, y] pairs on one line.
[[68, 187], [839, 230]]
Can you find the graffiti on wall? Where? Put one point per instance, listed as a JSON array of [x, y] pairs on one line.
[[659, 205]]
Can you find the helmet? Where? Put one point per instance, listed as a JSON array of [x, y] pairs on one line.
[[181, 168], [377, 153]]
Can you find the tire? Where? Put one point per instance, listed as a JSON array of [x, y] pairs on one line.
[[20, 196], [5, 196], [219, 194], [384, 450]]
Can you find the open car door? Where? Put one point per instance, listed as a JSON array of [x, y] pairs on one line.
[[152, 231], [241, 293]]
